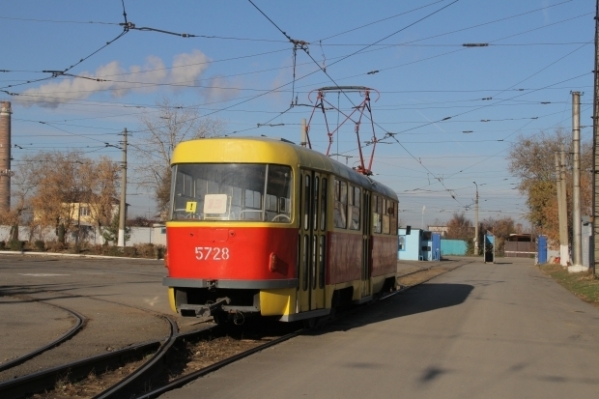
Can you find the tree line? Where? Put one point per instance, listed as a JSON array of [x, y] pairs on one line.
[[532, 162], [51, 189]]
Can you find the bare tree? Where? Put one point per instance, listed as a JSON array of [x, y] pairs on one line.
[[24, 183], [459, 227], [154, 146], [55, 184], [103, 189]]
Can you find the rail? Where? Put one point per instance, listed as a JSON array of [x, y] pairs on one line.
[[66, 336]]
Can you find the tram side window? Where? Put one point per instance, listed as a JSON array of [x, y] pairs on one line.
[[377, 215], [315, 202], [354, 206], [385, 210], [306, 208], [340, 213], [323, 206], [393, 217]]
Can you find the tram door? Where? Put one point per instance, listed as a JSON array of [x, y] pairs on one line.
[[366, 242], [312, 240]]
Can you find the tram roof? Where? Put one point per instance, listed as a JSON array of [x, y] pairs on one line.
[[268, 150]]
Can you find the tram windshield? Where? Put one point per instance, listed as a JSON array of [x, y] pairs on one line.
[[242, 192]]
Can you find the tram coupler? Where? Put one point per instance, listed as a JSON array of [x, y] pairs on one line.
[[207, 310]]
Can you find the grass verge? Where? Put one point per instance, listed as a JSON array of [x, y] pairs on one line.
[[583, 285]]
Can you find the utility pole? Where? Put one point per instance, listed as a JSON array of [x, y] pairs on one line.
[[595, 216], [576, 215], [303, 133], [562, 210], [564, 206], [476, 221], [5, 157], [123, 206]]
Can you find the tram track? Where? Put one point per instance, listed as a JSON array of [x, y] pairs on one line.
[[153, 376], [46, 378], [421, 276], [189, 377], [79, 325], [155, 373], [148, 353]]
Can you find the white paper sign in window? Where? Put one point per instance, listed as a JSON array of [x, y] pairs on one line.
[[215, 204]]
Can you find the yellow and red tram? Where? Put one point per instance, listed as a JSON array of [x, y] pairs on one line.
[[260, 226]]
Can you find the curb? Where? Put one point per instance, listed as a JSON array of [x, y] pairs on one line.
[[73, 255]]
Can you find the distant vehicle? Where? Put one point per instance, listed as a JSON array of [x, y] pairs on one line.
[[264, 227]]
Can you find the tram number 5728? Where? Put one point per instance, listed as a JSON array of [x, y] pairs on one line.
[[212, 253]]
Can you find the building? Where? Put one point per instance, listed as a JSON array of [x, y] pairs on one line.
[[417, 244], [442, 230]]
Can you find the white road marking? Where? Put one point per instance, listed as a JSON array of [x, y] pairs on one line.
[[152, 301]]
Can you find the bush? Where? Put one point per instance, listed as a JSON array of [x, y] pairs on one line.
[[130, 252], [16, 245], [160, 251], [111, 250], [145, 250], [2, 245], [40, 245], [55, 246]]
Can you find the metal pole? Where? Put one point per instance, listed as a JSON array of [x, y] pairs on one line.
[[576, 215], [476, 221], [123, 206], [595, 224]]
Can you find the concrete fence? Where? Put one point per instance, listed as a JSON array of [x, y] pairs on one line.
[[453, 247], [137, 235]]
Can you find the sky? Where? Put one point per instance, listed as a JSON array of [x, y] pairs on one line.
[[453, 85]]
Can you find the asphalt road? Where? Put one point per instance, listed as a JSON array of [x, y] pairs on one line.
[[481, 331], [123, 301]]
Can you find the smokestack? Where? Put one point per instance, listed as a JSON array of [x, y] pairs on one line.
[[5, 172]]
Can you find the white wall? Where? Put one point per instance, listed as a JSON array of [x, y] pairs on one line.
[[138, 235]]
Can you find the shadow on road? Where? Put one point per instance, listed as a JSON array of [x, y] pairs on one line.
[[419, 299]]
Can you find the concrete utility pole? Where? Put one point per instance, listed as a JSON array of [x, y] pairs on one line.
[[564, 205], [5, 145], [303, 133], [595, 217], [576, 215], [476, 220], [562, 210], [123, 206]]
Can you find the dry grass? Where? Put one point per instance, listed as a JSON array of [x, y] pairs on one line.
[[193, 356], [583, 285], [206, 353]]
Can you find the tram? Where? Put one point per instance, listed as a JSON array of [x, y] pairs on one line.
[[265, 227]]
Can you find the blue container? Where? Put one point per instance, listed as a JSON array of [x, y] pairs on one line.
[[542, 250]]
